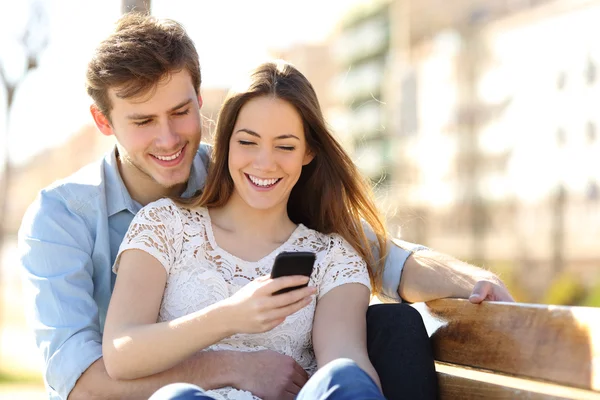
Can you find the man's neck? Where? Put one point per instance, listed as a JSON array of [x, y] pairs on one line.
[[141, 187]]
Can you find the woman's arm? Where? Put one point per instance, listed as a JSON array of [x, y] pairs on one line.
[[134, 345], [340, 327]]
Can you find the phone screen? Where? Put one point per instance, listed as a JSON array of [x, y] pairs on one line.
[[293, 263]]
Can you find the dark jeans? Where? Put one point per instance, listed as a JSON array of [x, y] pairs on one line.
[[400, 351]]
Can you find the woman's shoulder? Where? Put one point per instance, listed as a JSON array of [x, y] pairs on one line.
[[166, 209], [160, 210], [323, 242]]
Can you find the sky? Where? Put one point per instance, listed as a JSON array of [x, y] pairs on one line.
[[231, 36]]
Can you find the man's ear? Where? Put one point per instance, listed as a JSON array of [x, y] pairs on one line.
[[199, 101], [308, 157], [101, 121]]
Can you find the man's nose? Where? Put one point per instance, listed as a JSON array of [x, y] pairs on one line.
[[167, 138]]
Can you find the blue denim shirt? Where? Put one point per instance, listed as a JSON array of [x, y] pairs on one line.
[[68, 242]]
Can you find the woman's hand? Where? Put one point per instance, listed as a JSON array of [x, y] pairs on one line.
[[254, 308]]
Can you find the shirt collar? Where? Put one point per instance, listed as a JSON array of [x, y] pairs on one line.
[[117, 196], [197, 177]]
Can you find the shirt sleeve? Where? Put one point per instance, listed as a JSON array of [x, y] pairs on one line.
[[342, 265], [157, 230], [55, 248], [398, 253]]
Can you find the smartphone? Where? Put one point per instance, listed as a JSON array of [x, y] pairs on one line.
[[293, 263]]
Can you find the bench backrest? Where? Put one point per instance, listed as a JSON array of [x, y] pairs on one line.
[[514, 350]]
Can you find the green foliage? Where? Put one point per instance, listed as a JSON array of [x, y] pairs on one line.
[[593, 296], [566, 289], [11, 377]]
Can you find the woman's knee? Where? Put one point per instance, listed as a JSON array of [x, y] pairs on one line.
[[180, 391]]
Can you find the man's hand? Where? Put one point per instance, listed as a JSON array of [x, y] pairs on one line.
[[271, 375], [429, 275], [490, 291]]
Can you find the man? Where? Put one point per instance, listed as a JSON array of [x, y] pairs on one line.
[[71, 234]]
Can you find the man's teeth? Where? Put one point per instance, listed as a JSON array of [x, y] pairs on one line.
[[263, 182], [169, 158]]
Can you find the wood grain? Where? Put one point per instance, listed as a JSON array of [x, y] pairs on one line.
[[551, 343], [464, 383]]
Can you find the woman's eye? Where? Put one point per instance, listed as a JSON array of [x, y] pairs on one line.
[[245, 142], [287, 148]]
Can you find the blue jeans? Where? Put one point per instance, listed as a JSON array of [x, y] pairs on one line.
[[341, 379], [180, 391]]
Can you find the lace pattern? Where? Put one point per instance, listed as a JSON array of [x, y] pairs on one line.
[[200, 273]]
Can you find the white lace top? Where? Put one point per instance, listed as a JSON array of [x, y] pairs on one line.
[[200, 273]]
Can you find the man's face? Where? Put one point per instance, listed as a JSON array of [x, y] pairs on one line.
[[158, 132]]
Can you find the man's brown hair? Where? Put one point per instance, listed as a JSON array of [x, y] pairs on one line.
[[141, 52]]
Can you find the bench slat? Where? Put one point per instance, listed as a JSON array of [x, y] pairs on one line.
[[552, 343], [466, 383]]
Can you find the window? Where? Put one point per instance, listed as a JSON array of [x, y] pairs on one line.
[[592, 191], [591, 132], [561, 80], [590, 72], [561, 137]]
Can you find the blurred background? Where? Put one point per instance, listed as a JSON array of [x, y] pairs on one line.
[[476, 120]]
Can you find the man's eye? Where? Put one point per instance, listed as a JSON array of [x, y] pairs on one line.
[[185, 112], [142, 123]]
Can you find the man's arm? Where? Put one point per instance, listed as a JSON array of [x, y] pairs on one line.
[[208, 370], [429, 275], [55, 249], [267, 374]]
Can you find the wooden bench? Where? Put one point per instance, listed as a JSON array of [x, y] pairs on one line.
[[513, 350]]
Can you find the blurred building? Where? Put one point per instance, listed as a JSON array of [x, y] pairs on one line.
[[479, 114], [85, 146]]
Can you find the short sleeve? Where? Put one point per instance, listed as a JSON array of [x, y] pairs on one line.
[[157, 229], [342, 265]]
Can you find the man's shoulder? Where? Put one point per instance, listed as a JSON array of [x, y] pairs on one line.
[[83, 190], [81, 187]]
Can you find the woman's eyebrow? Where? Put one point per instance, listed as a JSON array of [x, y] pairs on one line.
[[252, 133]]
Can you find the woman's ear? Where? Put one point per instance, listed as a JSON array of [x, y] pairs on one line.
[[308, 157], [101, 121]]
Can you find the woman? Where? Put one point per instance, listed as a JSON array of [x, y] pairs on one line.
[[279, 182]]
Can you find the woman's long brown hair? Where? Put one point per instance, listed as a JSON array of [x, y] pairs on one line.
[[331, 196]]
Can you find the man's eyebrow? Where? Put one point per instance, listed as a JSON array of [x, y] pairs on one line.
[[148, 116], [252, 133]]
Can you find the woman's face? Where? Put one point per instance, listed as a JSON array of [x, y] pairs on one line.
[[266, 152]]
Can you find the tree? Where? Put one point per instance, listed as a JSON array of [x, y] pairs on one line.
[[33, 40]]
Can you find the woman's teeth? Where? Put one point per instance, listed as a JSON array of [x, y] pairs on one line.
[[263, 182]]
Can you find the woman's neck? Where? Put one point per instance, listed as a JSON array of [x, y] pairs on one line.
[[238, 217]]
